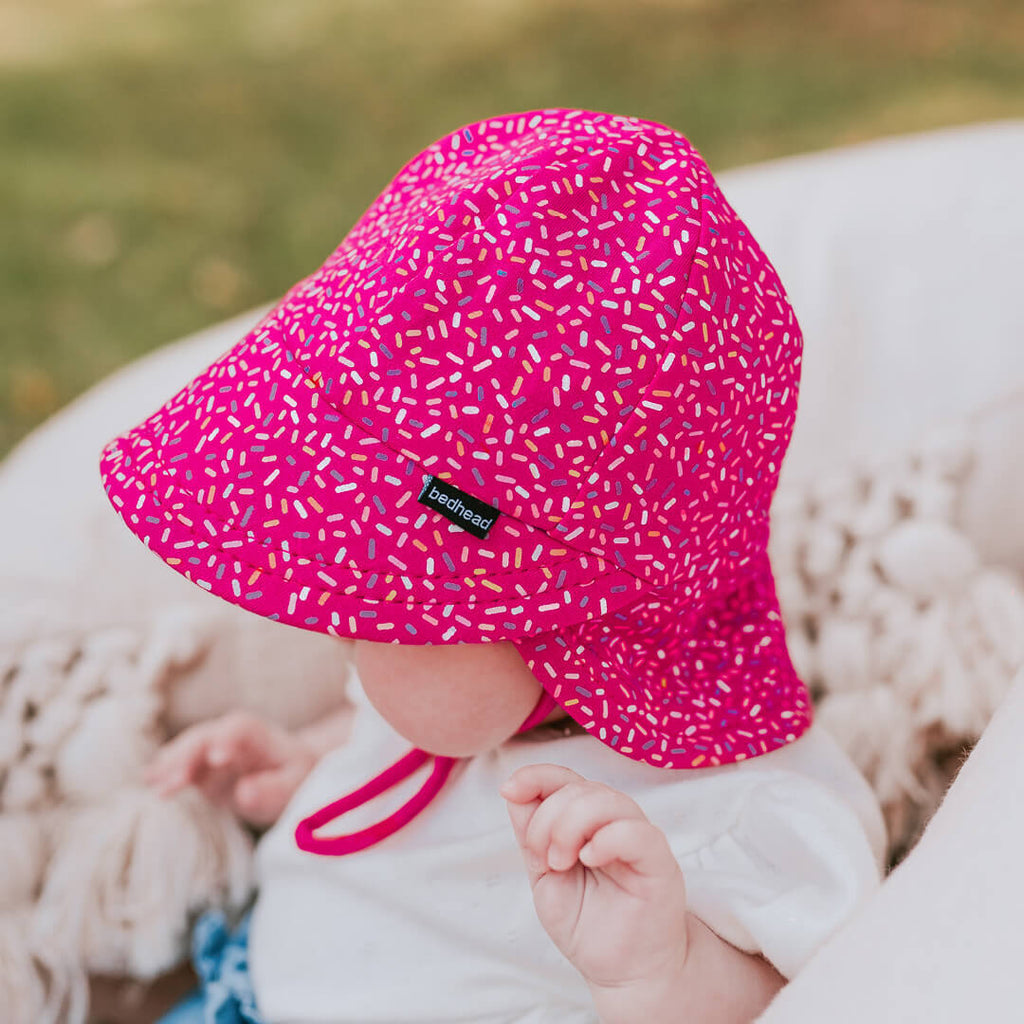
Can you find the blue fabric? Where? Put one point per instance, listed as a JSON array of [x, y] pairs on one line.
[[188, 1011], [220, 957]]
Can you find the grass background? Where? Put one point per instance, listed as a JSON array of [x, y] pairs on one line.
[[167, 163]]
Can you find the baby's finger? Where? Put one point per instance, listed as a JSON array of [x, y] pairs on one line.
[[260, 797], [240, 744], [523, 791], [634, 842], [177, 763], [211, 755], [570, 817], [244, 742], [537, 782], [216, 784], [520, 815]]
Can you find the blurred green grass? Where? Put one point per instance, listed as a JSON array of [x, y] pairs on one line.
[[168, 163]]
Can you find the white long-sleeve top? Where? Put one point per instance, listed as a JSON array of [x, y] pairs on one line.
[[436, 923]]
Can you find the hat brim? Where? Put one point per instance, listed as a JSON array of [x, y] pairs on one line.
[[656, 681], [255, 485]]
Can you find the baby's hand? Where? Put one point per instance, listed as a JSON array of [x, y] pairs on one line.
[[238, 760], [605, 883]]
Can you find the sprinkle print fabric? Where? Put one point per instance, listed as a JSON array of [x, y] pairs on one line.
[[559, 314]]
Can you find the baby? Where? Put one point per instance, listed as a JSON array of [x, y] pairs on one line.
[[518, 438]]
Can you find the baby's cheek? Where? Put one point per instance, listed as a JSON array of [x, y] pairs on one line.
[[442, 725], [455, 701]]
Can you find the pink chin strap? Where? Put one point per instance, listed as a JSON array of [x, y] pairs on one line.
[[338, 846]]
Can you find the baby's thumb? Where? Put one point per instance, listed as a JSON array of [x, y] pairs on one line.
[[260, 797]]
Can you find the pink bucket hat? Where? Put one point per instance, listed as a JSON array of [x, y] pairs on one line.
[[541, 392]]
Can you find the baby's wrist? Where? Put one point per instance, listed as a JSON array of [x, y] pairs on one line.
[[658, 996], [653, 1000], [711, 982]]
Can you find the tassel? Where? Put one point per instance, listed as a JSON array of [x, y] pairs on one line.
[[128, 874]]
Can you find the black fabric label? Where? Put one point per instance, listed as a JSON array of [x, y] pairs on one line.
[[461, 508]]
